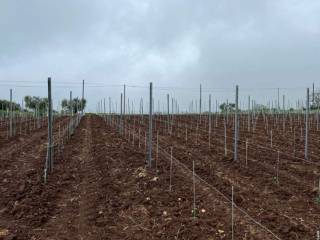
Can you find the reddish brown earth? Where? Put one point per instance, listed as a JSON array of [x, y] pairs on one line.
[[24, 131], [101, 189], [289, 208]]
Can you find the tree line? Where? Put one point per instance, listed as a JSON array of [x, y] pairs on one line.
[[40, 105]]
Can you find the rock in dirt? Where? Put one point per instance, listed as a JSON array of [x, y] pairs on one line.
[[140, 172], [4, 233]]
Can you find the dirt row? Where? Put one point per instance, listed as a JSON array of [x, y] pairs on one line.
[[289, 209], [101, 189], [24, 137]]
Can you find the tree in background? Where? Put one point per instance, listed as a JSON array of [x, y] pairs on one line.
[[227, 107], [316, 103], [36, 103], [77, 105], [5, 105], [260, 107]]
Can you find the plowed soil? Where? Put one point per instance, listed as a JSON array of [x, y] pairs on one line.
[[102, 189]]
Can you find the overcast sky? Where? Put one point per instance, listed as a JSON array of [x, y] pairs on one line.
[[176, 44]]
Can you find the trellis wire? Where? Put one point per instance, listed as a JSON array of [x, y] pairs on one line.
[[221, 194]]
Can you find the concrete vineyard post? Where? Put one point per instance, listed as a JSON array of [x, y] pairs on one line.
[[50, 125], [109, 110], [196, 106], [225, 134], [200, 101], [82, 99], [168, 105], [104, 109], [317, 118], [209, 119], [11, 116], [59, 138], [49, 162], [249, 114], [306, 127], [227, 111], [294, 141], [172, 114], [278, 104], [150, 129], [313, 94], [235, 158], [71, 104], [216, 122], [121, 125], [124, 99], [154, 123], [128, 106], [283, 114], [101, 108], [142, 112]]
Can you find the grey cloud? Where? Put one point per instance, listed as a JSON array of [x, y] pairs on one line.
[[172, 43]]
